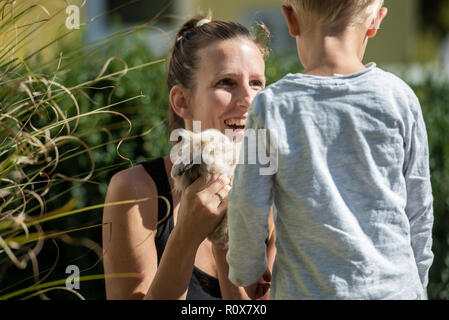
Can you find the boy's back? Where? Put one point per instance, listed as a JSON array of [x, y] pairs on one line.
[[352, 187], [352, 175], [340, 188]]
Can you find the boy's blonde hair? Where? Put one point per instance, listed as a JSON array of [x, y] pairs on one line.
[[336, 13]]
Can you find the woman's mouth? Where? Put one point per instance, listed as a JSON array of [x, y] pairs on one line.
[[235, 124]]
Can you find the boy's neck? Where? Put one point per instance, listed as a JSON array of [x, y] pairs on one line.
[[327, 55]]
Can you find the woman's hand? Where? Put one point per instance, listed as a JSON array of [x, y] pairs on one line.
[[201, 209], [260, 289]]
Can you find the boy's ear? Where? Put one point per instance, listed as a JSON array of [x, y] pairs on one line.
[[292, 20], [178, 97], [375, 24]]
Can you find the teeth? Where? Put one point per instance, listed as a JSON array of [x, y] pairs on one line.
[[234, 122]]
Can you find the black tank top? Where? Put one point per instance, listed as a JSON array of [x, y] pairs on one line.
[[202, 286]]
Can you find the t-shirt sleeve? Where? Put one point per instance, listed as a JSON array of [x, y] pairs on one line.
[[419, 207], [250, 200]]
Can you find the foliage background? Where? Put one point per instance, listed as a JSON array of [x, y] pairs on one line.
[[149, 139]]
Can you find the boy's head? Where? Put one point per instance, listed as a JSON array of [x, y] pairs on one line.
[[336, 14], [324, 27]]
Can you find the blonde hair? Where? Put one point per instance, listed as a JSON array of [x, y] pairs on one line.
[[336, 13]]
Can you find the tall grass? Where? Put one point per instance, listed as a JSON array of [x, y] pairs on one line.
[[50, 130]]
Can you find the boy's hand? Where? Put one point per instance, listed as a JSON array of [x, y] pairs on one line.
[[260, 288]]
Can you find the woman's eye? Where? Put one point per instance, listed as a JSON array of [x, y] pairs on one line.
[[225, 82], [257, 83]]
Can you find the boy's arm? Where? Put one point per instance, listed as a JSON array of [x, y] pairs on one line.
[[248, 210], [419, 208], [250, 200]]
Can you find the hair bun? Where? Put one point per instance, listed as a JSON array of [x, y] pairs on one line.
[[202, 22], [192, 24]]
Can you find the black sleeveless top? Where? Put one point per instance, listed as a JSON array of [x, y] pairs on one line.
[[202, 286]]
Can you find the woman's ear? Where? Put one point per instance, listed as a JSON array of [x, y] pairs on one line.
[[375, 24], [178, 97], [292, 20]]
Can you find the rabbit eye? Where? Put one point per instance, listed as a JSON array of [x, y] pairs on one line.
[[183, 168]]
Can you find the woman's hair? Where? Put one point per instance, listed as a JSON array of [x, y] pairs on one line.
[[193, 36], [336, 13]]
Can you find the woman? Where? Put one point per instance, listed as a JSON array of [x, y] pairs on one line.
[[216, 69]]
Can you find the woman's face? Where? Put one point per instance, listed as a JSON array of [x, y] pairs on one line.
[[230, 74]]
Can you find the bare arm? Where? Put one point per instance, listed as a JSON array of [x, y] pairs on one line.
[[128, 236], [199, 213], [229, 291], [172, 280]]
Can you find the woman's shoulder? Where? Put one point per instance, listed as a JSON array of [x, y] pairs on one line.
[[132, 184], [145, 173], [127, 178]]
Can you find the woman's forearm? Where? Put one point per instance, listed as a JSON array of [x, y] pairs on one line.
[[173, 275], [228, 290]]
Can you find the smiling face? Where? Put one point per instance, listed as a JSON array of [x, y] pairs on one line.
[[230, 73]]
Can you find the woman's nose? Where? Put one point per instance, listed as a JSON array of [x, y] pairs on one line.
[[246, 97]]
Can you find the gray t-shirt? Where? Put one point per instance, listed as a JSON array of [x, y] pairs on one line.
[[351, 187]]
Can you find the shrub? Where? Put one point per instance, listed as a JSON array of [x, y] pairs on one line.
[[434, 102]]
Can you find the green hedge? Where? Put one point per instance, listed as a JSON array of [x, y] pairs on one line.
[[435, 103]]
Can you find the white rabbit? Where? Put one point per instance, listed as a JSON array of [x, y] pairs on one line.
[[203, 154]]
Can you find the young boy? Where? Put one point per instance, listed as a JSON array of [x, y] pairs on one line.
[[352, 190]]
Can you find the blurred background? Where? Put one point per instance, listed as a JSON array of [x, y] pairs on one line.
[[416, 30], [115, 60]]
